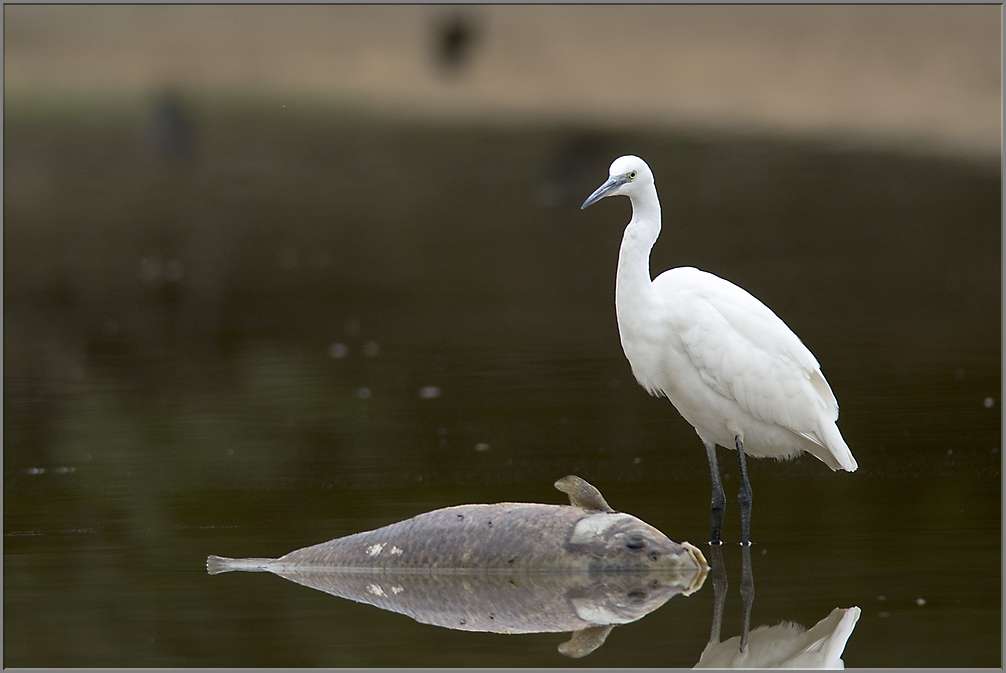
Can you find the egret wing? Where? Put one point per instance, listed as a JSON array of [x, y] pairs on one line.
[[745, 352]]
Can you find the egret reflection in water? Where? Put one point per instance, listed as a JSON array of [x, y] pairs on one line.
[[785, 645]]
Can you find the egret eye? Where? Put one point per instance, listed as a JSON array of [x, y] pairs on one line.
[[632, 174]]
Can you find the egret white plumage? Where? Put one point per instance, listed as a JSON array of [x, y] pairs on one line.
[[787, 645], [729, 365]]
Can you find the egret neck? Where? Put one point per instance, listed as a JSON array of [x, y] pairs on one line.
[[635, 298]]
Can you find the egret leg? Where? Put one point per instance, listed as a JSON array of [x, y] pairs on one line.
[[719, 503], [719, 575], [744, 497], [747, 593]]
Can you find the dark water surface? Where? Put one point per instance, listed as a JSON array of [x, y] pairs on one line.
[[285, 328]]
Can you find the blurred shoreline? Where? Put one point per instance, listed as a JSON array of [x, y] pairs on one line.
[[918, 79]]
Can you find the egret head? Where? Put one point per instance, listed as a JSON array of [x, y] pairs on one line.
[[628, 175]]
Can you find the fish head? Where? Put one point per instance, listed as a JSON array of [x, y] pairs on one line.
[[617, 541], [624, 597]]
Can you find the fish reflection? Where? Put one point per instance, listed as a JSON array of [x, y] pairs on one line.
[[505, 568], [786, 645], [587, 604]]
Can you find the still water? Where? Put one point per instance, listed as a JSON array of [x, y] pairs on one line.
[[280, 330]]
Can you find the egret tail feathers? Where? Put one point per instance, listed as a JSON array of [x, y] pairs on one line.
[[830, 448]]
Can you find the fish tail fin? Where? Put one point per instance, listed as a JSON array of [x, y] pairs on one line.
[[221, 564]]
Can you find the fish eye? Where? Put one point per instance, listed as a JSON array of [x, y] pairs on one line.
[[636, 543]]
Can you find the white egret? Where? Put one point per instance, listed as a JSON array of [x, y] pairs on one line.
[[787, 645], [729, 365]]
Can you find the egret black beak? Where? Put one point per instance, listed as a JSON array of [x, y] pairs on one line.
[[610, 185]]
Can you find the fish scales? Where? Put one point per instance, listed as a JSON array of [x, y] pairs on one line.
[[508, 602], [504, 536], [586, 535]]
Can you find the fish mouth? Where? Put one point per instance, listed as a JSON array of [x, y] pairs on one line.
[[683, 558], [686, 557], [698, 579], [687, 568], [680, 578], [696, 555]]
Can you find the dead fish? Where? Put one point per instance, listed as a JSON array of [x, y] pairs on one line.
[[585, 536], [504, 568], [587, 604]]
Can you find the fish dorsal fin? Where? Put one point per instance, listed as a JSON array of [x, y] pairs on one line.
[[583, 495], [585, 640]]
